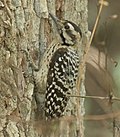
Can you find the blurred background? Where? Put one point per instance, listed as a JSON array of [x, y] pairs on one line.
[[103, 72]]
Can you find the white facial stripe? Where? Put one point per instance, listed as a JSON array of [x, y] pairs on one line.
[[71, 27]]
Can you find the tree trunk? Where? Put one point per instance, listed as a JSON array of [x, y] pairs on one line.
[[25, 27]]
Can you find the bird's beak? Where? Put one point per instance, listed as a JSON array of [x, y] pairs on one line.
[[57, 22]]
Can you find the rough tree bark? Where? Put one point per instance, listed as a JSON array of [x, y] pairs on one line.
[[26, 27]]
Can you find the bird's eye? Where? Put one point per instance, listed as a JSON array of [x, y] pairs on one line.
[[67, 26]]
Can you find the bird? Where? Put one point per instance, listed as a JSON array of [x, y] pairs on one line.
[[59, 68]]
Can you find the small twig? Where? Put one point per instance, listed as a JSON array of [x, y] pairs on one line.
[[96, 22], [81, 67], [96, 97], [94, 30], [102, 116], [92, 97], [115, 98]]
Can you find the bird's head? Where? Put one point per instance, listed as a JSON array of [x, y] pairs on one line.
[[69, 32]]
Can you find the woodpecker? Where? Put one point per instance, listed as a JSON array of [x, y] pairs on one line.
[[59, 68]]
